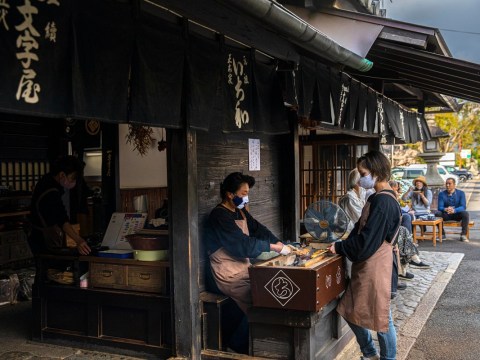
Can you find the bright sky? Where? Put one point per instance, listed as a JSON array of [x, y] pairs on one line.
[[463, 16]]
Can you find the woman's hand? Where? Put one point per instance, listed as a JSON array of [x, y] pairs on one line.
[[83, 248], [277, 247], [331, 248]]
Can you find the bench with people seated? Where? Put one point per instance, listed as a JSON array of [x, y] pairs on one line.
[[458, 224]]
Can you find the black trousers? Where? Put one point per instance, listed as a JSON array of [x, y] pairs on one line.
[[462, 216]]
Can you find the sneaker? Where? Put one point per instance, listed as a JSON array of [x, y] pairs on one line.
[[408, 276], [419, 265], [374, 357], [401, 286], [464, 238]]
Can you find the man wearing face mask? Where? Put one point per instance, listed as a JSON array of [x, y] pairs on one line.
[[233, 237], [48, 209]]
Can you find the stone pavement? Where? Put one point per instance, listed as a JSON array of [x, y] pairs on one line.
[[412, 306]]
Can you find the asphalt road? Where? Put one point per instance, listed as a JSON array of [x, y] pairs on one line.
[[453, 328]]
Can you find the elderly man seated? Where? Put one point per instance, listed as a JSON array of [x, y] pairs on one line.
[[452, 206]]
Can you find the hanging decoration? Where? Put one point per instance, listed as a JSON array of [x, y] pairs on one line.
[[140, 137], [162, 144]]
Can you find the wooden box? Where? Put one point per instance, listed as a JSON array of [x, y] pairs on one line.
[[297, 288]]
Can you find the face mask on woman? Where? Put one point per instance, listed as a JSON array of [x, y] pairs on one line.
[[240, 202], [367, 181]]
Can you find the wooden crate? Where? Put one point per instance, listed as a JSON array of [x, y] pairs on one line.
[[297, 288]]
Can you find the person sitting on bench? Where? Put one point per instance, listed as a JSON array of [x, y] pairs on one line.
[[420, 196], [452, 205]]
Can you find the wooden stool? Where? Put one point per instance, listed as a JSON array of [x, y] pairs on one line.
[[212, 305], [424, 235]]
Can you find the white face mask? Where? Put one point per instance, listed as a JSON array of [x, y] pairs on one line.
[[240, 202], [367, 181]]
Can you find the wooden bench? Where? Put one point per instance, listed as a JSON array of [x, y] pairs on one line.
[[458, 224]]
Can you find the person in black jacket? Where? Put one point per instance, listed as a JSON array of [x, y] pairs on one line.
[[233, 238], [48, 209], [365, 304]]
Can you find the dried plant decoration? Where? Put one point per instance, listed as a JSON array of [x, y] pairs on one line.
[[140, 137]]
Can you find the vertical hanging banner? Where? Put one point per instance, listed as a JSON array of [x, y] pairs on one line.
[[238, 90], [35, 75]]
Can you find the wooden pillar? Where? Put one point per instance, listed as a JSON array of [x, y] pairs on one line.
[[291, 190], [110, 172], [183, 230]]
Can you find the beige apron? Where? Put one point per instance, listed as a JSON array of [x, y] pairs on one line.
[[366, 302], [231, 273]]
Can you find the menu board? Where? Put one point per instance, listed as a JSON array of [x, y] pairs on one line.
[[121, 225]]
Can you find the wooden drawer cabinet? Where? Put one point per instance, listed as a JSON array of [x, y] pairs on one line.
[[133, 275], [108, 275], [145, 278]]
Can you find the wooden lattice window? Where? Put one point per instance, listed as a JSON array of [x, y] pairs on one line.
[[324, 170], [22, 175]]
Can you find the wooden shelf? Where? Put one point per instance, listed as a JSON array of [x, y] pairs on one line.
[[14, 213]]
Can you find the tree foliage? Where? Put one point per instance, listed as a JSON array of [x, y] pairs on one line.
[[463, 127]]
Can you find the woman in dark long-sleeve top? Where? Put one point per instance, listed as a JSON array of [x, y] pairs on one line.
[[235, 237], [365, 304]]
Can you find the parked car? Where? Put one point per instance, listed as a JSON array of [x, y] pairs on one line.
[[415, 170], [463, 174]]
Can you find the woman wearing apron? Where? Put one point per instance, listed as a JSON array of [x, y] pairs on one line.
[[234, 237], [365, 304]]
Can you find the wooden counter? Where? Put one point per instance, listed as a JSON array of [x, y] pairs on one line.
[[128, 314]]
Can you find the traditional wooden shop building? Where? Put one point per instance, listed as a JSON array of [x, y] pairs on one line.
[[245, 86]]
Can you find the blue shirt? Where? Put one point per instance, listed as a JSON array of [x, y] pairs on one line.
[[456, 199]]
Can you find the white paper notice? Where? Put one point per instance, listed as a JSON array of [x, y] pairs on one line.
[[253, 154]]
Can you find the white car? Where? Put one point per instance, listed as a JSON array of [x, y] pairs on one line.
[[442, 171]]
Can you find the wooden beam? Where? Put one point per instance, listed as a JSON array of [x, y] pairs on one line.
[[184, 242]]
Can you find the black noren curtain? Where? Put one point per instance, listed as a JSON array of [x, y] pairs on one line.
[[360, 117], [351, 113], [305, 82], [35, 70], [157, 73], [288, 80], [204, 63], [393, 117], [237, 89], [340, 87], [423, 127], [270, 115], [321, 96], [409, 127], [103, 47], [371, 110]]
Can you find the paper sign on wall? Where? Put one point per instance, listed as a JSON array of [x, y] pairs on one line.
[[253, 154]]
